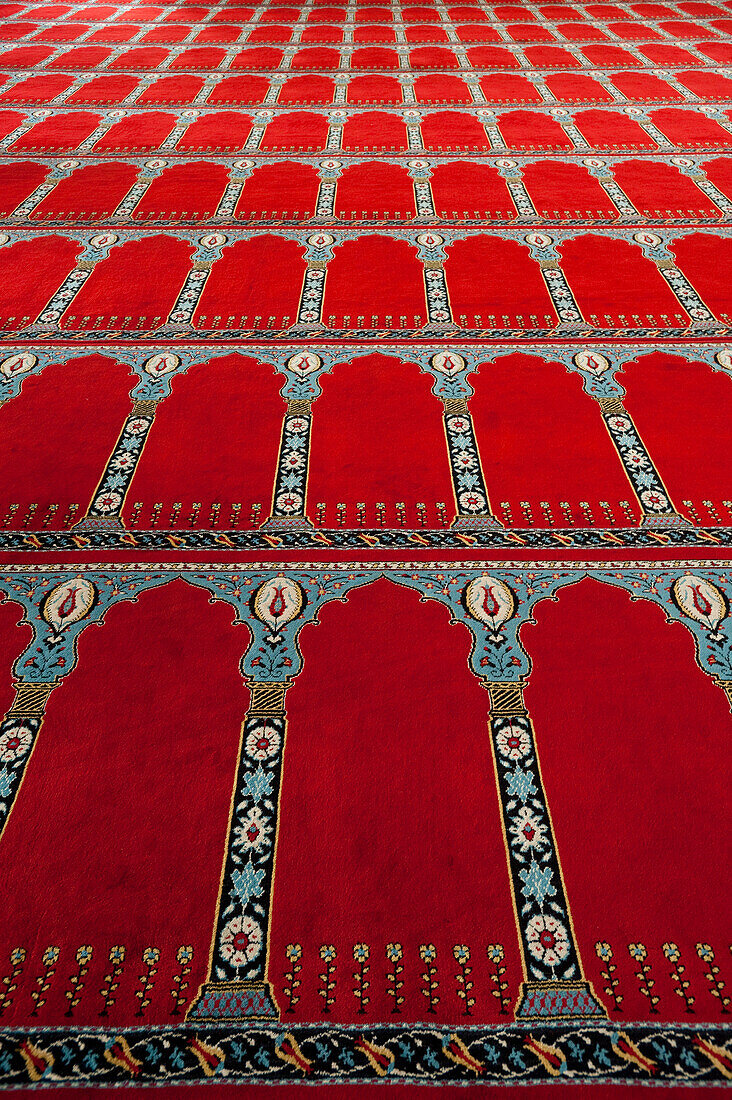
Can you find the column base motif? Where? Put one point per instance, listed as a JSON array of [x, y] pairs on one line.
[[476, 523], [558, 1001], [99, 523], [216, 1001], [672, 519], [287, 523]]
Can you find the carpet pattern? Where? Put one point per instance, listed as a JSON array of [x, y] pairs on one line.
[[365, 529]]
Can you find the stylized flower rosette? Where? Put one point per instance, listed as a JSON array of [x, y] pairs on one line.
[[108, 503], [619, 424], [15, 742], [241, 941], [138, 426], [293, 460], [654, 500], [548, 940], [472, 502], [51, 956], [513, 741], [527, 831], [262, 743], [465, 460], [288, 503], [604, 951], [635, 459], [458, 424], [253, 831], [123, 461]]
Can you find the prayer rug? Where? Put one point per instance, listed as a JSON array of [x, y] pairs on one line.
[[365, 541]]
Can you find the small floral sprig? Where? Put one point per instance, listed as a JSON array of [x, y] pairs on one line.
[[293, 951], [706, 954], [150, 960], [361, 956], [10, 982], [463, 979], [639, 954], [43, 981], [495, 954], [395, 954], [605, 955], [428, 955], [111, 980], [678, 970], [76, 981], [183, 957], [328, 955]]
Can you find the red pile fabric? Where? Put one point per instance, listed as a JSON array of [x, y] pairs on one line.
[[365, 527]]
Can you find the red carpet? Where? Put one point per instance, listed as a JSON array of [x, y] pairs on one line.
[[365, 530]]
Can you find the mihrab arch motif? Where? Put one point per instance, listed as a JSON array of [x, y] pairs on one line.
[[514, 176], [492, 600], [302, 369], [432, 251]]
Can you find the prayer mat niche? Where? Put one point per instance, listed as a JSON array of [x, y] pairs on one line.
[[365, 544]]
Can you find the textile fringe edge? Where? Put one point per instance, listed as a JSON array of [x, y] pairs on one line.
[[654, 1053]]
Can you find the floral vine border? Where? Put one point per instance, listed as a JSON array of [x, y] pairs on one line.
[[514, 1054]]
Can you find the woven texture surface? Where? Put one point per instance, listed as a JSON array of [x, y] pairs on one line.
[[365, 524]]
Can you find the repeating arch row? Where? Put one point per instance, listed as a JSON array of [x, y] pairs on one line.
[[350, 129], [501, 189], [275, 604], [449, 372], [595, 87], [184, 283]]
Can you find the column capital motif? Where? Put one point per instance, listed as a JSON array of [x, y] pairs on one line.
[[506, 696], [267, 696]]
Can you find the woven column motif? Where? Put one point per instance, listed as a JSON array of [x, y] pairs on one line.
[[543, 249], [237, 985], [207, 252], [647, 484], [555, 986], [317, 257], [288, 503], [95, 250], [471, 495], [105, 510], [18, 732]]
